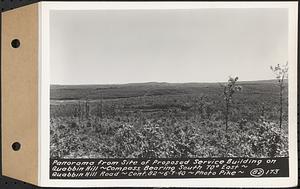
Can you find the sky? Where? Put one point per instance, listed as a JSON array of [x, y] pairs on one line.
[[176, 46]]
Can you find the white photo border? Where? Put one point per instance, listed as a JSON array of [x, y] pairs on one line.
[[44, 97]]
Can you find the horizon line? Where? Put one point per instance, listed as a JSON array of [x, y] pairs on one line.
[[163, 82]]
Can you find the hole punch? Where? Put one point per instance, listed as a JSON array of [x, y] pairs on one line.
[[16, 146], [15, 43]]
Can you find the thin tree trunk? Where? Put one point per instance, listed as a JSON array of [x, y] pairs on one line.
[[101, 107], [79, 112], [98, 112], [226, 115], [280, 116], [226, 119], [87, 110]]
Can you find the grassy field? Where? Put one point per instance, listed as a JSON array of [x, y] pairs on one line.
[[166, 120]]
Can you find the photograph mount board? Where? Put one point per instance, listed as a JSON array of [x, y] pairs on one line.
[[166, 94]]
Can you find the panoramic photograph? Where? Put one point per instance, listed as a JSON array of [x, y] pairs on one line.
[[192, 83]]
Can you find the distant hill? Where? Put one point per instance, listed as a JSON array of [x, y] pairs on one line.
[[112, 91]]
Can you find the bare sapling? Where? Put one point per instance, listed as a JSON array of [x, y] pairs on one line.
[[229, 89], [281, 73]]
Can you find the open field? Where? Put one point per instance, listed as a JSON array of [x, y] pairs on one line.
[[166, 120]]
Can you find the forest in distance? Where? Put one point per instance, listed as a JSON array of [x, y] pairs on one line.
[[170, 120]]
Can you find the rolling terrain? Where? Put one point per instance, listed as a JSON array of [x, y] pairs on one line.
[[166, 120]]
